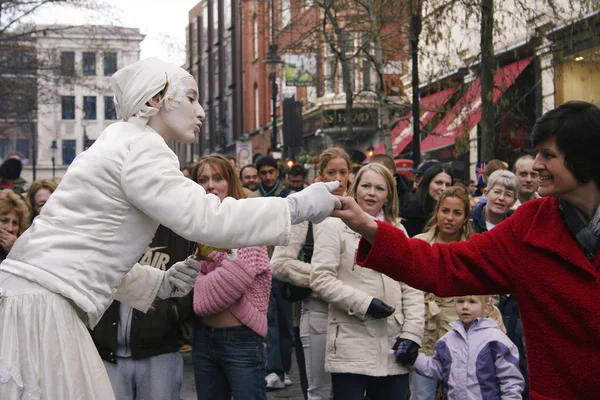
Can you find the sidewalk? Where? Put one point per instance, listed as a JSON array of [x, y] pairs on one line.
[[188, 391]]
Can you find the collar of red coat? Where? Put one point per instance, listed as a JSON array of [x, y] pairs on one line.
[[549, 231]]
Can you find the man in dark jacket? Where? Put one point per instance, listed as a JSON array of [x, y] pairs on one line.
[[141, 351]]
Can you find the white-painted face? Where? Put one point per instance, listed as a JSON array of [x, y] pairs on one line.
[[183, 123]]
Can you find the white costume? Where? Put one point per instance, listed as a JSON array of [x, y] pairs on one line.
[[81, 249]]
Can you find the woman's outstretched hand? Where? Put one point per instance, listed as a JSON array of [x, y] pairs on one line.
[[356, 218]]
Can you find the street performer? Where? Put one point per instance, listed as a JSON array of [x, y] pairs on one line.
[[546, 254], [81, 251]]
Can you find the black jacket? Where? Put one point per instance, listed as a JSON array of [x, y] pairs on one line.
[[159, 330], [415, 216], [514, 330]]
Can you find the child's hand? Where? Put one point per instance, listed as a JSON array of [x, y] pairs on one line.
[[406, 351]]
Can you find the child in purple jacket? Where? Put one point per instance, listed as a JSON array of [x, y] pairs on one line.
[[476, 360]]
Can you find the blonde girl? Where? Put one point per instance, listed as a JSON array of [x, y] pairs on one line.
[[475, 360], [292, 264], [367, 310]]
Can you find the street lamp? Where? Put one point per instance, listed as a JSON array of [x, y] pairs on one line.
[[84, 124], [272, 61], [53, 147]]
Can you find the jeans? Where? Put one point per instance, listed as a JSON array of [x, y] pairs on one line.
[[313, 332], [229, 362], [421, 387], [280, 333], [354, 386], [154, 378]]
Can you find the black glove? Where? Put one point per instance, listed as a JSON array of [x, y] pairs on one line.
[[406, 351], [378, 309]]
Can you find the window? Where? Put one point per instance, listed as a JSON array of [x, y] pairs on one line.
[[216, 73], [256, 107], [110, 64], [351, 74], [68, 107], [67, 63], [4, 147], [109, 108], [205, 27], [255, 35], [346, 42], [286, 12], [23, 147], [22, 62], [215, 15], [89, 107], [88, 63], [68, 151], [369, 78], [4, 59], [330, 76]]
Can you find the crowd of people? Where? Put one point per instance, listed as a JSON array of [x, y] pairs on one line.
[[249, 264]]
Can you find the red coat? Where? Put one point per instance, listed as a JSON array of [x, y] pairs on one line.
[[533, 255]]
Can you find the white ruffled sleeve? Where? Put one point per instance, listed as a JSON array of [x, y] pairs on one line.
[[152, 182]]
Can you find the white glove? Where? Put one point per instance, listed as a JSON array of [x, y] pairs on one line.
[[179, 279], [314, 204]]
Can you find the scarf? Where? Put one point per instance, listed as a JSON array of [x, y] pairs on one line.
[[586, 235], [270, 192]]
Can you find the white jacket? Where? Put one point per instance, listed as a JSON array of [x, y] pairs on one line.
[[285, 265], [357, 343], [106, 209]]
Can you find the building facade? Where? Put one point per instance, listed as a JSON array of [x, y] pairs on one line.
[[75, 99], [213, 58]]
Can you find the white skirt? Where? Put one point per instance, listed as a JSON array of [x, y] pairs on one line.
[[46, 351]]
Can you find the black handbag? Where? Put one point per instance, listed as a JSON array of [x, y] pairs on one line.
[[294, 293]]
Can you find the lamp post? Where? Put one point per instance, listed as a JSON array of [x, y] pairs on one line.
[[53, 147], [272, 61], [84, 124]]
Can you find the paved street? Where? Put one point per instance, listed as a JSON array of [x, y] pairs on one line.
[[188, 392]]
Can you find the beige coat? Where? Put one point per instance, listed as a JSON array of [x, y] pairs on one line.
[[439, 312], [357, 343]]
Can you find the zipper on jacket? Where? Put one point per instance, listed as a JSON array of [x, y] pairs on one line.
[[337, 332]]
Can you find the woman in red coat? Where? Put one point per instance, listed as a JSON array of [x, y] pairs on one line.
[[546, 254]]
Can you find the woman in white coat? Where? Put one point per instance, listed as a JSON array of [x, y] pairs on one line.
[[368, 311], [79, 253], [334, 165]]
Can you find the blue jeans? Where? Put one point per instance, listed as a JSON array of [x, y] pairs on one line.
[[280, 333], [421, 387], [354, 387], [229, 362]]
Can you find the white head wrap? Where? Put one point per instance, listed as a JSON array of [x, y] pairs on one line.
[[137, 83]]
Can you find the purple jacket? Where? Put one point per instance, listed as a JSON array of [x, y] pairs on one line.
[[479, 364]]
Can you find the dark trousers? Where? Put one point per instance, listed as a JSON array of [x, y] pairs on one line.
[[355, 387], [301, 363], [280, 333]]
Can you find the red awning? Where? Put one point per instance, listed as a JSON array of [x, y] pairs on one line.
[[466, 113], [430, 106]]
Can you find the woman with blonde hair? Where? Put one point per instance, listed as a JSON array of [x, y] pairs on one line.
[[449, 223], [38, 194], [14, 219], [292, 264], [369, 313], [231, 297]]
